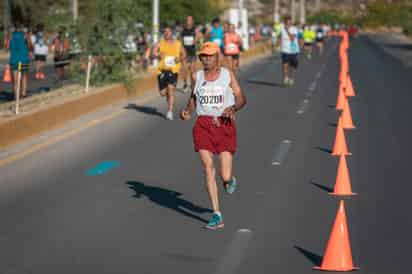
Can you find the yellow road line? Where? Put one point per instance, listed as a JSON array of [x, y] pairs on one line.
[[56, 139]]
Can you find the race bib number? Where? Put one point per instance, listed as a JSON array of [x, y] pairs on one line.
[[188, 40], [231, 47], [170, 61], [319, 35], [211, 97], [217, 41], [41, 49]]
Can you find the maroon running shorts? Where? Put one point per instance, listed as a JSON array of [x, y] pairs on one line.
[[214, 137]]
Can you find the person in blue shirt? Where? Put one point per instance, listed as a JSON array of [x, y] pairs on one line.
[[216, 33], [19, 44]]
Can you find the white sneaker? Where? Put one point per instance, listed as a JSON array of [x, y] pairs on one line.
[[169, 115]]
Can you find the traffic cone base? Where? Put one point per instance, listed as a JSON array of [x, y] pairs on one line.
[[338, 254], [339, 270], [339, 154]]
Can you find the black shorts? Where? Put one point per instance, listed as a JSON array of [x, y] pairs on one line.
[[191, 58], [234, 56], [41, 58], [61, 61], [291, 59], [308, 44], [166, 78], [319, 40]]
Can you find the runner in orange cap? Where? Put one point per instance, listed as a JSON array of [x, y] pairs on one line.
[[216, 97]]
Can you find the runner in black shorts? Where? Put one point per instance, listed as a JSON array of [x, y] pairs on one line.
[[320, 38], [290, 59], [189, 39], [170, 53], [166, 78]]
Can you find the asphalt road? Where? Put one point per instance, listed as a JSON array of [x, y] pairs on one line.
[[145, 215]]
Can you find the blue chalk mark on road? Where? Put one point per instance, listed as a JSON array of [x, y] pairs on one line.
[[102, 168]]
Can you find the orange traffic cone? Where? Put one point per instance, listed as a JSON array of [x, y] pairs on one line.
[[7, 74], [340, 147], [340, 102], [347, 116], [338, 254], [343, 77], [344, 63], [342, 184], [349, 92]]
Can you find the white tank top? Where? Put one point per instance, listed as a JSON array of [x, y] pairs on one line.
[[213, 97]]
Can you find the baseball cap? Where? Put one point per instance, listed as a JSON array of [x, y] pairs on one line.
[[209, 48]]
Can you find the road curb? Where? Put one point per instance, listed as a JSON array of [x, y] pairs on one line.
[[16, 129]]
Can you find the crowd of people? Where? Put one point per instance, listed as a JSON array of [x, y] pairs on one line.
[[33, 48]]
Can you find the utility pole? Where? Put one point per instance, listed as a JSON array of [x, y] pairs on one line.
[[317, 5], [276, 16], [75, 9], [302, 12], [292, 11], [155, 30], [240, 10]]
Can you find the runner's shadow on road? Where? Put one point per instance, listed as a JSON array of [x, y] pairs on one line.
[[333, 124], [325, 188], [168, 199], [145, 110], [326, 150], [264, 83], [313, 257]]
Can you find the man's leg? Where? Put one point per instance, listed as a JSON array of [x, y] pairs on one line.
[[293, 63], [15, 82], [210, 175], [24, 84], [185, 66], [226, 160], [235, 64], [285, 67], [171, 96], [192, 68]]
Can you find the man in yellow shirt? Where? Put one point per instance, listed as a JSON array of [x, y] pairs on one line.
[[170, 53], [309, 37]]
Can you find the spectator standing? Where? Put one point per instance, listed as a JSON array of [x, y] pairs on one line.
[[20, 47], [41, 50], [61, 53]]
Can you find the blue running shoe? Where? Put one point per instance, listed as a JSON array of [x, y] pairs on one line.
[[231, 186], [216, 222]]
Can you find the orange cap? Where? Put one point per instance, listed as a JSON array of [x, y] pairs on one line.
[[209, 48]]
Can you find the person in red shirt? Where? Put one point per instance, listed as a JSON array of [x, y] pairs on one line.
[[61, 53]]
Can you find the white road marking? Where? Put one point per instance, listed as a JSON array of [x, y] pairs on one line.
[[281, 152], [303, 107], [235, 252]]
